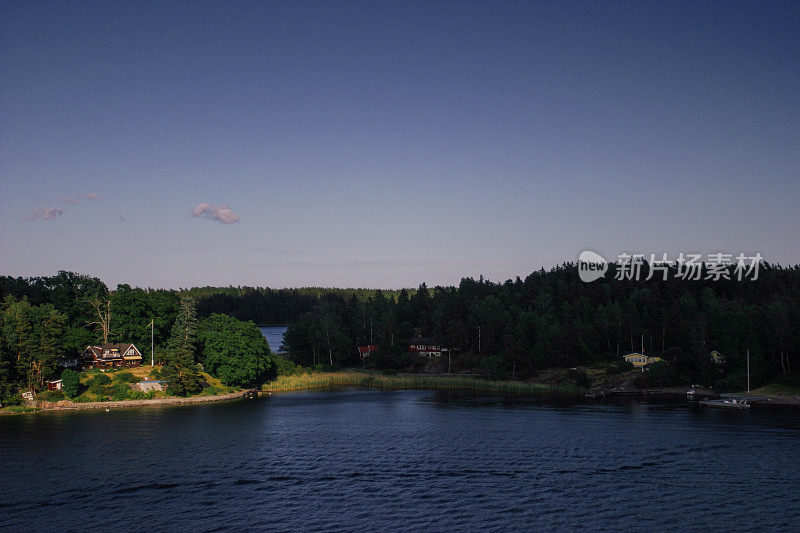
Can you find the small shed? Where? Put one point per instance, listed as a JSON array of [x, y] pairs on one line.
[[55, 384]]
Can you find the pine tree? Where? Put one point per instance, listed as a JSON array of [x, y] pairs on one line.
[[182, 344]]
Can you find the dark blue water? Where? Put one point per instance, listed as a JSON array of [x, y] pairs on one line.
[[274, 336], [406, 460]]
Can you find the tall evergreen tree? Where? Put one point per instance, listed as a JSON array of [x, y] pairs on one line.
[[182, 344]]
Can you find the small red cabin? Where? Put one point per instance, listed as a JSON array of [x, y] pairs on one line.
[[364, 351]]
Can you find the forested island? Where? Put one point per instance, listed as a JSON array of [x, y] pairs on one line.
[[206, 340], [551, 319]]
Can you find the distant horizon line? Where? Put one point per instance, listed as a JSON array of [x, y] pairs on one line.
[[485, 279]]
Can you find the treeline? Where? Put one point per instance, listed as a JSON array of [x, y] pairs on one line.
[[552, 319], [269, 306], [510, 329], [47, 319]]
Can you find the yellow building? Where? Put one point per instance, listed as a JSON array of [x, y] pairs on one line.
[[640, 360]]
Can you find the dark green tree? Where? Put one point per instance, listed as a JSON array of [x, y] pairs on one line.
[[235, 351], [71, 383], [182, 345]]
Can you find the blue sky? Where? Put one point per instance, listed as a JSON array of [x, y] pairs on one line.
[[385, 144]]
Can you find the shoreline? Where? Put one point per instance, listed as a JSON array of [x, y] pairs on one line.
[[67, 405], [326, 380], [369, 380]]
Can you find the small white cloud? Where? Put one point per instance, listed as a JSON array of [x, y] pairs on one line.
[[223, 214], [43, 213]]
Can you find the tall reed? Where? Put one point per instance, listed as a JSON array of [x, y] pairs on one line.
[[383, 382]]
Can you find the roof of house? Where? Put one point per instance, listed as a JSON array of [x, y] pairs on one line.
[[121, 348], [370, 348]]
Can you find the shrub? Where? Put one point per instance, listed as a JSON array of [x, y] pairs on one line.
[[98, 383], [126, 377], [619, 367], [658, 374], [13, 399], [71, 382], [120, 390], [580, 378], [286, 367], [51, 396]]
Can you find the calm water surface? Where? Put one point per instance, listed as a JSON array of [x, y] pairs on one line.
[[274, 336], [405, 460]]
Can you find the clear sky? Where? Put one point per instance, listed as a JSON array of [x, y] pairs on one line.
[[384, 144]]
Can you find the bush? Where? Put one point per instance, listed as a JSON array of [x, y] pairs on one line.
[[13, 399], [120, 390], [287, 368], [580, 378], [619, 367], [658, 374], [51, 396], [71, 382], [98, 383], [126, 377]]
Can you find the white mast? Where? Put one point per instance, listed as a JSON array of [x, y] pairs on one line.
[[748, 371], [152, 345]]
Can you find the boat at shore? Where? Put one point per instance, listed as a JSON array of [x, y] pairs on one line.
[[727, 403]]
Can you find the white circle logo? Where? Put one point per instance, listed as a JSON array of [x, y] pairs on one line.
[[591, 266]]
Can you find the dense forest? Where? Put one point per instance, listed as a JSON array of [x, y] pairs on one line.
[[510, 329], [269, 306], [552, 319]]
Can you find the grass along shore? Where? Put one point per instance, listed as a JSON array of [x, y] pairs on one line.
[[319, 380]]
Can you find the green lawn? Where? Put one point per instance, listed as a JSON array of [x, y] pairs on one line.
[[776, 389]]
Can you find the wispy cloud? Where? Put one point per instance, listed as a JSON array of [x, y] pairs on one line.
[[51, 213], [45, 213], [72, 200], [223, 214]]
